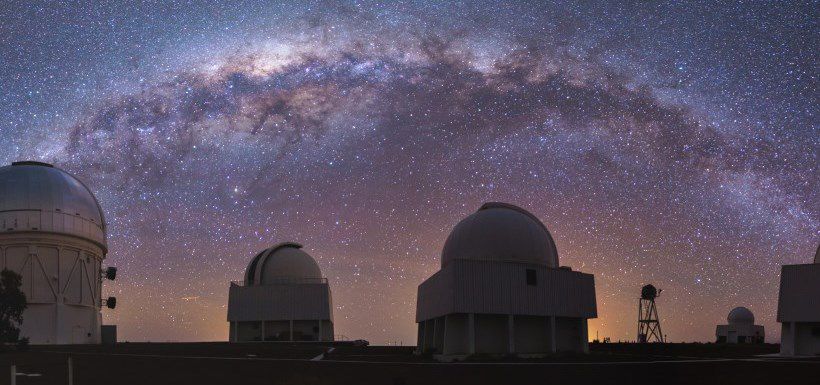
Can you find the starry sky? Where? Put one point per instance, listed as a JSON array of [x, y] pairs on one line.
[[666, 142]]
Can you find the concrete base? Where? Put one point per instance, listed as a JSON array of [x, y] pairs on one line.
[[800, 339], [457, 335], [281, 330]]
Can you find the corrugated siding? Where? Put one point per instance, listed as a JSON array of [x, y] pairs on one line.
[[466, 286], [435, 295], [279, 302], [799, 293]]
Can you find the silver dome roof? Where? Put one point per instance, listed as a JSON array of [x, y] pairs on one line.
[[283, 262], [741, 315], [501, 232], [37, 196]]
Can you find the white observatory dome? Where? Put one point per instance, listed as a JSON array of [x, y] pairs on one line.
[[740, 315], [61, 202], [285, 261], [501, 232]]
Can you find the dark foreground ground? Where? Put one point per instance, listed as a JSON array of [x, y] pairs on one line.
[[286, 363]]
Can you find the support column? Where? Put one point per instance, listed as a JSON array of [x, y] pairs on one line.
[[423, 336], [444, 340], [435, 332], [426, 333], [58, 306], [553, 342], [584, 336], [291, 330], [511, 333], [471, 333], [793, 335]]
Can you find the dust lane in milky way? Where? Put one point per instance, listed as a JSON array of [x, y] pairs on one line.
[[668, 144]]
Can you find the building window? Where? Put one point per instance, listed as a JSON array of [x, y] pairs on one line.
[[532, 279], [815, 331]]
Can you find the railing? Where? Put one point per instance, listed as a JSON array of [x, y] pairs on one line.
[[282, 280], [55, 221]]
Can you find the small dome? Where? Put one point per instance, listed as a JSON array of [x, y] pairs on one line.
[[37, 196], [741, 315], [285, 261], [649, 292], [501, 232]]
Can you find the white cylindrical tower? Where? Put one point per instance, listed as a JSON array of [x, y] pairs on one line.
[[54, 235]]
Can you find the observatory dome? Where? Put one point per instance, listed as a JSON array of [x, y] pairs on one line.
[[741, 315], [501, 232], [37, 196], [285, 261]]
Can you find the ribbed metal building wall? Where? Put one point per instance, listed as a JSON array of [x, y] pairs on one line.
[[490, 287], [298, 301], [798, 309], [799, 292]]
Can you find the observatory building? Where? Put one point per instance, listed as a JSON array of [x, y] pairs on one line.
[[741, 328], [283, 298], [798, 310], [54, 235], [500, 290]]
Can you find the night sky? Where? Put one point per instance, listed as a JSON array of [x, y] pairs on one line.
[[675, 144]]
